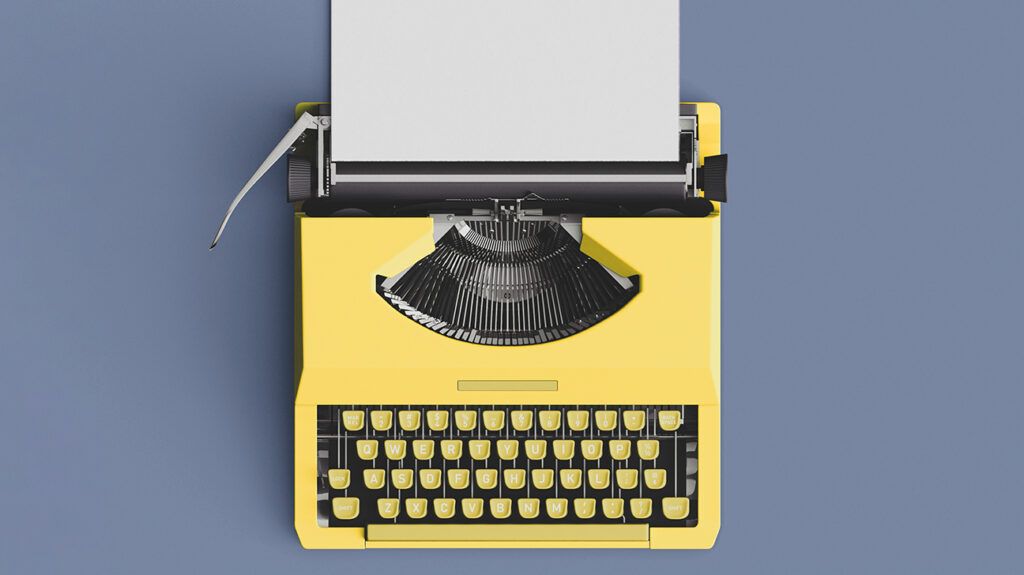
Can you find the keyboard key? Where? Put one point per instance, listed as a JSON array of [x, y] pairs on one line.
[[577, 420], [465, 420], [570, 478], [522, 420], [401, 478], [515, 478], [479, 449], [430, 478], [437, 420], [592, 449], [494, 420], [543, 478], [550, 420], [536, 449], [451, 449], [675, 507], [619, 449], [598, 478], [338, 478], [353, 420], [640, 507], [458, 478], [367, 449], [345, 508], [626, 478], [387, 508], [563, 448], [416, 508], [444, 508], [508, 449], [584, 507], [486, 478], [529, 508], [409, 420], [380, 420], [557, 507], [606, 419], [669, 419], [501, 508], [472, 508], [647, 449], [394, 449], [373, 478], [634, 420], [423, 449], [612, 508], [654, 478]]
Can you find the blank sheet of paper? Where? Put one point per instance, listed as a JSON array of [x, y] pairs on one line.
[[490, 80]]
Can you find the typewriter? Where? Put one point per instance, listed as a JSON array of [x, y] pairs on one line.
[[481, 362]]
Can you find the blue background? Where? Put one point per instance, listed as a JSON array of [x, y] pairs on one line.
[[871, 268]]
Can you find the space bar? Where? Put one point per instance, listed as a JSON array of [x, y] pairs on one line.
[[518, 532]]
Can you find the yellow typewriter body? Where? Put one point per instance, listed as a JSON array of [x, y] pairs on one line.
[[662, 348]]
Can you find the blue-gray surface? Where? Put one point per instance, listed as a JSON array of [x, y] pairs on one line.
[[871, 269]]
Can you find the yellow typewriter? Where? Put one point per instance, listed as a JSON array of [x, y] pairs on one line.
[[481, 362]]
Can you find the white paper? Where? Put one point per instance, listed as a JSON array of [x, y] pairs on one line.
[[508, 80]]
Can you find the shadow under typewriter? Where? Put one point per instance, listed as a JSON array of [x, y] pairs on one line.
[[509, 282]]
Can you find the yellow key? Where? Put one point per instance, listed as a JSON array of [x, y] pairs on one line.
[[345, 508], [501, 508], [543, 478], [529, 508], [508, 449], [522, 420], [577, 420], [486, 478], [472, 508], [640, 507], [387, 508], [409, 420], [557, 507], [416, 508], [444, 508], [669, 419], [612, 508], [515, 478], [584, 507], [465, 420], [563, 448], [353, 420], [423, 448], [373, 478], [626, 478], [606, 420], [401, 478], [479, 449], [654, 478], [536, 448], [550, 420], [458, 478], [619, 449], [570, 478], [380, 420], [338, 478], [394, 449], [430, 478], [647, 449], [367, 449], [634, 420], [437, 420], [494, 420], [598, 478], [591, 449], [675, 507], [451, 449]]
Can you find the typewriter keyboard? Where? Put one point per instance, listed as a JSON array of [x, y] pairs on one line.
[[448, 464]]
